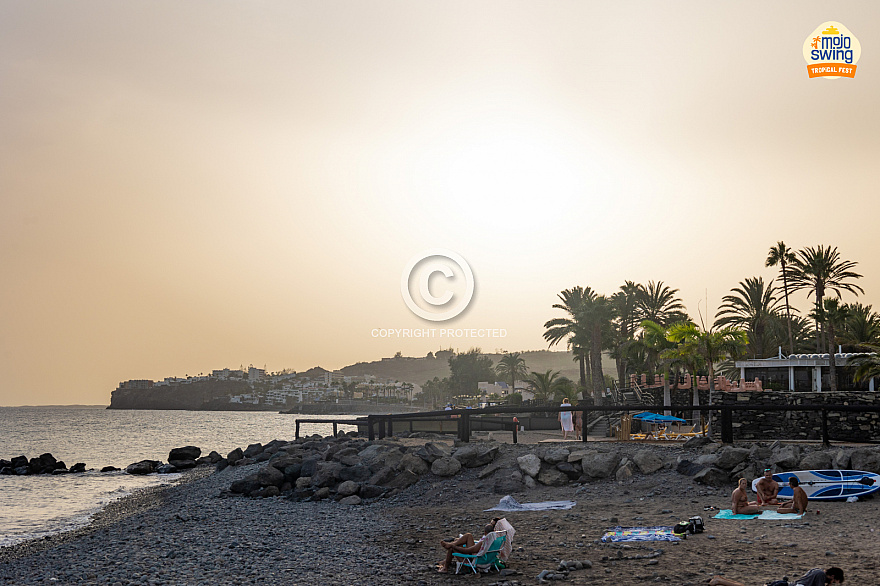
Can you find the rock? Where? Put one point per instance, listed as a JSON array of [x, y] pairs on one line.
[[489, 470], [270, 491], [508, 482], [712, 477], [309, 467], [214, 457], [625, 472], [552, 477], [529, 482], [354, 473], [347, 488], [183, 464], [841, 460], [600, 464], [688, 468], [707, 460], [81, 467], [747, 470], [166, 469], [234, 456], [405, 479], [473, 455], [303, 482], [327, 474], [142, 467], [578, 455], [760, 453], [184, 453], [697, 442], [351, 500], [445, 466], [530, 464], [730, 457], [245, 485], [371, 491], [109, 469], [432, 451], [818, 460], [253, 450], [414, 464], [647, 461], [786, 457], [347, 457], [269, 476], [382, 476], [322, 493], [867, 459], [556, 455], [570, 470]]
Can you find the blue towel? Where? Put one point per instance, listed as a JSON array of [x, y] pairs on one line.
[[618, 534], [728, 514]]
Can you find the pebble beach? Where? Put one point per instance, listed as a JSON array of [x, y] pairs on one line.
[[196, 532]]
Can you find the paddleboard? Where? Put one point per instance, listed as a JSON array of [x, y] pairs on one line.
[[827, 485]]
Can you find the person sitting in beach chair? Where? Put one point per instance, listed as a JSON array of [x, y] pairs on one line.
[[466, 545]]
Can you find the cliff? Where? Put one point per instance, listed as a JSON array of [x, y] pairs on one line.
[[201, 395]]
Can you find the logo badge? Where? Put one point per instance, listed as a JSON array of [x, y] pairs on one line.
[[441, 265], [832, 51]]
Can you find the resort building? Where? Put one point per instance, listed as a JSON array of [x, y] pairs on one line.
[[801, 372]]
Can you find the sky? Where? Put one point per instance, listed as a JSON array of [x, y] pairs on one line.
[[196, 185]]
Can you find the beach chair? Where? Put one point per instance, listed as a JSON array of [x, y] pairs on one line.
[[485, 559]]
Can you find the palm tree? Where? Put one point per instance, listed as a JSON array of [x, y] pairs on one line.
[[834, 316], [597, 314], [658, 303], [512, 367], [751, 307], [868, 365], [783, 256], [623, 305], [820, 268], [546, 385], [572, 328], [655, 339], [862, 327]]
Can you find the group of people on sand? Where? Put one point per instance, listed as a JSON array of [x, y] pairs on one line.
[[767, 490]]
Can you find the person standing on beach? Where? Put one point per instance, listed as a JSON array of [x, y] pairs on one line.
[[565, 419], [740, 501], [798, 502], [767, 489]]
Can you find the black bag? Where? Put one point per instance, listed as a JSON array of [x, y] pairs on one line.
[[681, 528], [696, 525], [777, 583]]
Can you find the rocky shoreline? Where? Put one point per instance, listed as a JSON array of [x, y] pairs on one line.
[[284, 513]]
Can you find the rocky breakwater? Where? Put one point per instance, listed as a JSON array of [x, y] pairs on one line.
[[179, 459], [714, 464], [44, 464]]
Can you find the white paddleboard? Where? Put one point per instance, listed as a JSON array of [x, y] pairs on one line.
[[828, 485]]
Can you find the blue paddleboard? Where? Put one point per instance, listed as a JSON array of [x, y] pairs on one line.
[[827, 485]]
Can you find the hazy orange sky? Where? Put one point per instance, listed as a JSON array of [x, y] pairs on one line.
[[198, 185]]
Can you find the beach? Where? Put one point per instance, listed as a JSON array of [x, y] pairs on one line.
[[195, 532]]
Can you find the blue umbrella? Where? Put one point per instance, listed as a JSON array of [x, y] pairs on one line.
[[655, 417]]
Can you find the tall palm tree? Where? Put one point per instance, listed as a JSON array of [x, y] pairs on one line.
[[835, 315], [783, 256], [512, 367], [546, 385], [658, 303], [597, 313], [572, 328], [655, 340], [751, 307], [818, 269], [623, 305]]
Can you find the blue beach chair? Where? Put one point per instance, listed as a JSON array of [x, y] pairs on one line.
[[485, 559]]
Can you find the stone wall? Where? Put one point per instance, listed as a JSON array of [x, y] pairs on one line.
[[852, 426]]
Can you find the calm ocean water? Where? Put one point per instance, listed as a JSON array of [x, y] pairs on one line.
[[35, 506]]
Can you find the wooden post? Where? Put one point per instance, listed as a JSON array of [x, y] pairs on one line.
[[584, 415], [464, 431], [515, 429], [296, 435], [381, 428], [335, 429], [371, 432], [826, 441], [726, 426]]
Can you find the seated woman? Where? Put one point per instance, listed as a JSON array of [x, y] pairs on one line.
[[740, 501], [464, 544]]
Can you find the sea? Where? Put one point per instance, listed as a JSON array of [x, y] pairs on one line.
[[33, 507]]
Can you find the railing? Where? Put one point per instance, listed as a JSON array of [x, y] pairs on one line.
[[336, 423]]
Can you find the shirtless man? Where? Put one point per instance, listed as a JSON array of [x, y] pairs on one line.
[[767, 489], [798, 502], [740, 501]]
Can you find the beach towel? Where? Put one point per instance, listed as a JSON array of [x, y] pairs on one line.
[[507, 546], [618, 534], [508, 503], [728, 514]]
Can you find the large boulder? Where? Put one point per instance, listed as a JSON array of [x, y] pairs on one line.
[[473, 455], [414, 464], [647, 461], [841, 460], [371, 491], [712, 477], [405, 478], [351, 500], [552, 477], [818, 460], [786, 457], [600, 464], [253, 450], [530, 464], [697, 442], [445, 466], [269, 476], [81, 467], [556, 455], [347, 457], [347, 488], [867, 459], [688, 468], [508, 482], [570, 470], [234, 456], [185, 453], [760, 453], [730, 457], [355, 473], [381, 476], [245, 485], [142, 467], [432, 451], [625, 472], [327, 474], [183, 464]]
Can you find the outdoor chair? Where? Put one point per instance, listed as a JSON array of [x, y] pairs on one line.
[[485, 559]]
